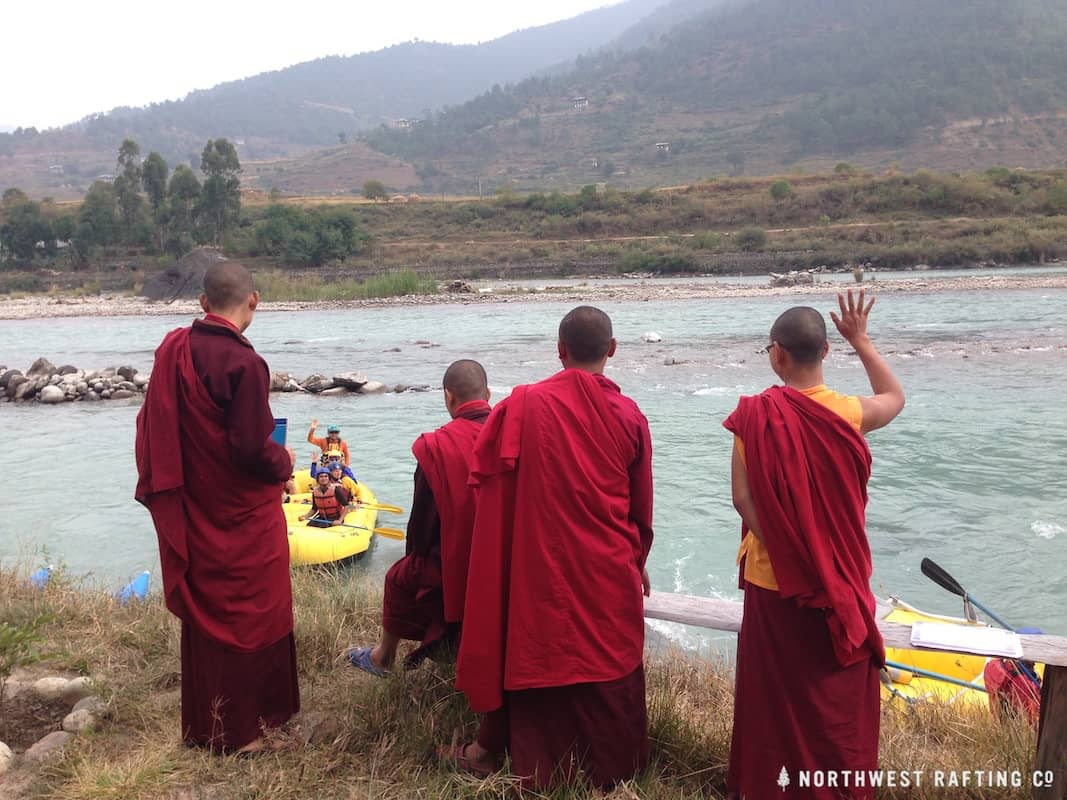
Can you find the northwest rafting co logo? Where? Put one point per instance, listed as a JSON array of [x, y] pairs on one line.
[[783, 778]]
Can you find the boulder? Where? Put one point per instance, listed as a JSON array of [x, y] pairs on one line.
[[459, 287], [279, 381], [14, 382], [79, 721], [7, 375], [7, 758], [78, 689], [27, 389], [51, 688], [94, 704], [49, 746], [52, 395], [122, 394], [67, 369], [92, 396], [140, 381], [126, 373], [651, 337], [42, 366], [316, 383], [183, 279], [350, 380], [419, 387], [374, 387], [335, 390]]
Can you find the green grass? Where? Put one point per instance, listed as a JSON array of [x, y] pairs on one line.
[[377, 737], [278, 286]]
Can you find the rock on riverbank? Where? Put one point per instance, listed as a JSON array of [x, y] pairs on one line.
[[44, 382]]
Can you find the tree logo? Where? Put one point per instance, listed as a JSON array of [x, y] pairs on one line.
[[783, 779]]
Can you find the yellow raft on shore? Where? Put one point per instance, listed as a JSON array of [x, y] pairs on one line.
[[310, 545], [908, 686]]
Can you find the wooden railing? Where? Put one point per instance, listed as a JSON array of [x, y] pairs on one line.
[[725, 615]]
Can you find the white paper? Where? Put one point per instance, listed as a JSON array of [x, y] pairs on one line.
[[967, 638]]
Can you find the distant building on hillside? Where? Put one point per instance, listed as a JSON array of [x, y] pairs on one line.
[[55, 169], [580, 103], [663, 147], [404, 124]]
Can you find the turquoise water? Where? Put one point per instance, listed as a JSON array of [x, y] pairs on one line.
[[972, 474]]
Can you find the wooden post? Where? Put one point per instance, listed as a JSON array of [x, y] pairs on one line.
[[1052, 736]]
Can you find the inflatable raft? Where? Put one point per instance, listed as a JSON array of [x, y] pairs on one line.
[[908, 685], [311, 545]]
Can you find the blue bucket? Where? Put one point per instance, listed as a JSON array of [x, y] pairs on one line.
[[280, 426]]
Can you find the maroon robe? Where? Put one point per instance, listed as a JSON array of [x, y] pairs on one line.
[[211, 477], [808, 655], [553, 622], [424, 590]]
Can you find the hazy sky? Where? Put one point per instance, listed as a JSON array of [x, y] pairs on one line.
[[63, 59]]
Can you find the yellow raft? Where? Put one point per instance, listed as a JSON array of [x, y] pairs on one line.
[[311, 545], [906, 686]]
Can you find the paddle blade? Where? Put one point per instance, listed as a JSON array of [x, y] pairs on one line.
[[385, 507], [391, 533], [932, 571]]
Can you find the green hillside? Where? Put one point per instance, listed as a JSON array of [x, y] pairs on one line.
[[761, 85], [315, 104]]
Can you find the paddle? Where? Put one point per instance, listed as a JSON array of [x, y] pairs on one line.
[[388, 533], [939, 576], [383, 507], [937, 676]]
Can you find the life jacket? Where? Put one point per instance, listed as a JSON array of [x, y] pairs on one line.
[[327, 505]]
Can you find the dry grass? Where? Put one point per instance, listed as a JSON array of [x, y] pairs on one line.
[[376, 737]]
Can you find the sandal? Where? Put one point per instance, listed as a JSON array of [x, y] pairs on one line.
[[360, 657], [456, 756]]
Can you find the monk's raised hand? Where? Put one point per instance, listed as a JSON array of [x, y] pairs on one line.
[[853, 320]]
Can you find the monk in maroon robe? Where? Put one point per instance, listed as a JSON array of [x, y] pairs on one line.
[[553, 629], [211, 476], [809, 650], [425, 590]]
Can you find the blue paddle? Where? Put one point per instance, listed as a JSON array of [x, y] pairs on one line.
[[939, 576]]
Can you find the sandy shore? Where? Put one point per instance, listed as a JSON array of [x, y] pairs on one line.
[[52, 306]]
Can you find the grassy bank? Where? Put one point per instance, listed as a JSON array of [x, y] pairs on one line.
[[726, 226], [376, 737]]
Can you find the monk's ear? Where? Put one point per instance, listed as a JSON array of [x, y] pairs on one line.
[[450, 400], [253, 301], [826, 348], [561, 349], [611, 350], [204, 304]]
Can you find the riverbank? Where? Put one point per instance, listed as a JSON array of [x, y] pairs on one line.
[[363, 736], [46, 306]]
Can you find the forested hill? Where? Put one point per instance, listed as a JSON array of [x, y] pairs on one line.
[[317, 103], [762, 84]]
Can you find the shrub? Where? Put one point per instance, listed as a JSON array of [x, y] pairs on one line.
[[751, 240]]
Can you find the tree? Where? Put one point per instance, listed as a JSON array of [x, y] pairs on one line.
[[128, 188], [13, 196], [154, 179], [220, 196], [98, 220], [751, 240], [23, 227], [374, 190], [178, 216], [780, 190]]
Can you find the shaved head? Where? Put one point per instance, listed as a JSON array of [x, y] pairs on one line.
[[802, 331], [466, 380], [227, 284], [586, 333]]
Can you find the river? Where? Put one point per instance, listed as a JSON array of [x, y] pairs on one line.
[[972, 474]]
